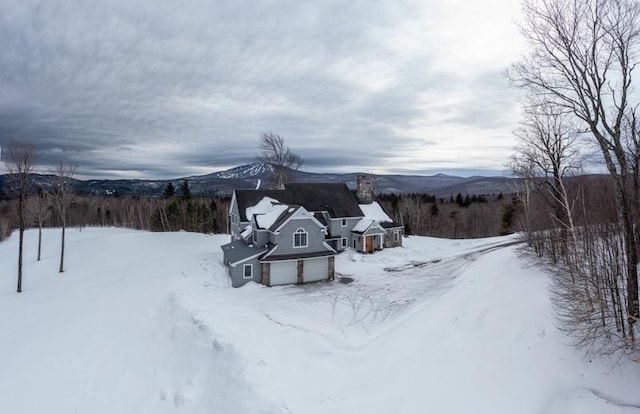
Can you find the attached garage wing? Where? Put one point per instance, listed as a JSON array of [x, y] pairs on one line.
[[316, 269], [283, 273]]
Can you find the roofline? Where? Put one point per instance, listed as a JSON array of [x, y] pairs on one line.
[[245, 259], [328, 254], [322, 226], [369, 226], [270, 251], [325, 244]]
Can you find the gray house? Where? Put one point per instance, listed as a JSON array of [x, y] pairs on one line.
[[292, 235]]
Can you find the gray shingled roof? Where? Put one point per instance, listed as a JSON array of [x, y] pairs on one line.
[[284, 217], [336, 199], [248, 198], [237, 251]]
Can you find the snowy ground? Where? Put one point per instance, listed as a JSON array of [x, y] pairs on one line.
[[148, 323]]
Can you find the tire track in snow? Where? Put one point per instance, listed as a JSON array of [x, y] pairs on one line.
[[371, 300]]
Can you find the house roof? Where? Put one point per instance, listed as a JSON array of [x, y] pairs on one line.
[[388, 225], [320, 218], [367, 226], [374, 211], [237, 251], [250, 198], [336, 199]]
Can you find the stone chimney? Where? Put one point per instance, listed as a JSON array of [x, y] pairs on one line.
[[365, 189]]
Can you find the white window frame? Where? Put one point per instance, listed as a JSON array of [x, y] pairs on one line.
[[396, 235], [344, 222], [344, 242], [299, 232], [244, 271]]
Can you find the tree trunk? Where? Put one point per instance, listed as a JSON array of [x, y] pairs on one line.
[[39, 240], [21, 220], [632, 271], [19, 289], [62, 248]]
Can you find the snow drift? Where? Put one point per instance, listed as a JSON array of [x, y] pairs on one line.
[[147, 323]]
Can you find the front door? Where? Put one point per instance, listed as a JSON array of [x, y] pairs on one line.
[[368, 244]]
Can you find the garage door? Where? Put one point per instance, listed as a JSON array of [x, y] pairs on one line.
[[283, 273], [316, 269]]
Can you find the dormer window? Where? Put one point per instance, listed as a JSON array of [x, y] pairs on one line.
[[344, 222], [300, 238]]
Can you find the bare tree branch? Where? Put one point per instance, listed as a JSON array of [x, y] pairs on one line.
[[275, 152]]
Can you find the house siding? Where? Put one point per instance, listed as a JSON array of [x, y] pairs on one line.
[[235, 225], [237, 273], [336, 230], [260, 237], [388, 237], [284, 237]]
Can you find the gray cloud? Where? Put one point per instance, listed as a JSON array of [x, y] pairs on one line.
[[163, 89]]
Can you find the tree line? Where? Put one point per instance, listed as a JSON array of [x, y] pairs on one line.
[[462, 216]]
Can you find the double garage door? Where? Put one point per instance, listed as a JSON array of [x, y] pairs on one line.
[[284, 273]]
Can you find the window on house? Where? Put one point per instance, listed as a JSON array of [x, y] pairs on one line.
[[354, 242], [396, 235], [344, 242], [344, 222], [248, 271], [300, 238]]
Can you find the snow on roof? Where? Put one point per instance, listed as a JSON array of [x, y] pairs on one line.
[[373, 211], [247, 232], [264, 206], [266, 220], [363, 225], [266, 211]]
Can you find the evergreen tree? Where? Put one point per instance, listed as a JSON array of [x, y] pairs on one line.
[[185, 191], [435, 210], [170, 191], [508, 214]]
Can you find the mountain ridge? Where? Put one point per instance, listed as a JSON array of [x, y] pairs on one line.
[[247, 176]]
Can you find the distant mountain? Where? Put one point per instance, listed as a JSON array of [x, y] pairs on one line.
[[222, 183], [257, 170]]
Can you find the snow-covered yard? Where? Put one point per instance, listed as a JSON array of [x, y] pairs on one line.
[[148, 323]]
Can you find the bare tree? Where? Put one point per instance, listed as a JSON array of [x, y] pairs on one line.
[[41, 211], [62, 198], [546, 154], [20, 165], [275, 152], [582, 56]]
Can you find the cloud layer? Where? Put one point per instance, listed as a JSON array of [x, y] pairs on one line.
[[163, 89]]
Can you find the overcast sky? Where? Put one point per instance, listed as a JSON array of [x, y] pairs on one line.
[[164, 89]]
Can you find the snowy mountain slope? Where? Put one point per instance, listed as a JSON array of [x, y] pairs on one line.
[[147, 323]]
